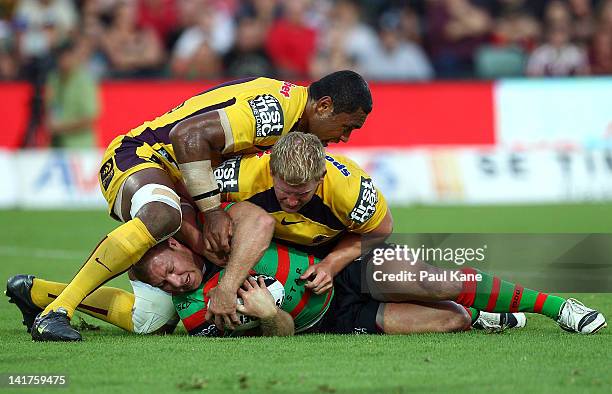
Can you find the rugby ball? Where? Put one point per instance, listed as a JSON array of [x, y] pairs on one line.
[[278, 293]]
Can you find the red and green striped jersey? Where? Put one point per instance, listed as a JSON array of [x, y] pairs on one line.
[[286, 265]]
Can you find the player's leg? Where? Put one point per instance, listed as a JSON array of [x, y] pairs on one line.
[[421, 317], [490, 293], [147, 310], [152, 213]]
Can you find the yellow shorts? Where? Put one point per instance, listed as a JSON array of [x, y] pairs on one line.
[[125, 156]]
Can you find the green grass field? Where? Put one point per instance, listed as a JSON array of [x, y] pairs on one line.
[[539, 358]]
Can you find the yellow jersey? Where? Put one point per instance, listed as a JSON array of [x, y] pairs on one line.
[[254, 114], [346, 200]]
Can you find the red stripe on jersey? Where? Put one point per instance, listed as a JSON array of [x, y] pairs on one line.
[[212, 282], [194, 320], [305, 297], [494, 294], [282, 269], [300, 306], [468, 293], [539, 303], [517, 294]]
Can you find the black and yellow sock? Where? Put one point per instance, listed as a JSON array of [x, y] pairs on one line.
[[116, 253], [492, 294], [110, 304]]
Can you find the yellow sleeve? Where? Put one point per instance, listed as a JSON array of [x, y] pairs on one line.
[[354, 198], [370, 207]]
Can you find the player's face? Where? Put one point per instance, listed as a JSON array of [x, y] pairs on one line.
[[333, 128], [174, 270], [292, 198]]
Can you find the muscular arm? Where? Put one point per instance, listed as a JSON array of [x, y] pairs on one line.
[[350, 247], [196, 141], [252, 235], [198, 137], [253, 230]]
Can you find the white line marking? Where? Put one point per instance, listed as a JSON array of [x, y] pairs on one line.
[[38, 253]]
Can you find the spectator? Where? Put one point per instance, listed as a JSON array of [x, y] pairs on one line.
[[8, 60], [516, 26], [132, 51], [42, 24], [456, 29], [248, 57], [557, 14], [583, 20], [71, 100], [215, 30], [605, 16], [558, 57], [161, 17], [265, 11], [291, 43], [600, 53], [395, 59]]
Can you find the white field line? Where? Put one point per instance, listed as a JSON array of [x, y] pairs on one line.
[[39, 253]]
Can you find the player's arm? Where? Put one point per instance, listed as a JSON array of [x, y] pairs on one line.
[[196, 140], [349, 248], [258, 302], [253, 230]]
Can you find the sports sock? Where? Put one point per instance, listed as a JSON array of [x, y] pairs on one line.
[[492, 294], [106, 303], [116, 253], [473, 312]]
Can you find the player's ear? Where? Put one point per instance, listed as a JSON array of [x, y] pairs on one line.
[[173, 243], [323, 176], [325, 106]]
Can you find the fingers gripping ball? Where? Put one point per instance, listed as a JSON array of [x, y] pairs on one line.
[[278, 293]]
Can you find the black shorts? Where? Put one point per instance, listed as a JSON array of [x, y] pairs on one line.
[[353, 310]]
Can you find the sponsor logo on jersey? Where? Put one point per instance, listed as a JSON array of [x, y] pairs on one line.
[[227, 175], [338, 165], [285, 90], [366, 203], [106, 173], [182, 306], [269, 119]]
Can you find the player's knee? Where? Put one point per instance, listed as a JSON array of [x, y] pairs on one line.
[[161, 220], [159, 208]]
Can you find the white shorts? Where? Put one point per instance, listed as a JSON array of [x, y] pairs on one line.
[[153, 308]]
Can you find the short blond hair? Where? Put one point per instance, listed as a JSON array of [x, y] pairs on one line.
[[298, 158]]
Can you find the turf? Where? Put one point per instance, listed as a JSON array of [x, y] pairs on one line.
[[540, 358]]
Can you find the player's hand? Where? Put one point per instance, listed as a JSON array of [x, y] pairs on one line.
[[222, 308], [217, 232], [257, 299], [320, 277]]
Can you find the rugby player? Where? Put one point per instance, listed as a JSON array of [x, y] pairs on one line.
[[143, 171], [322, 203]]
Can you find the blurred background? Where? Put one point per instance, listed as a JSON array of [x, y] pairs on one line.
[[499, 102]]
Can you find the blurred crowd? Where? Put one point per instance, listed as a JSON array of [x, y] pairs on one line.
[[304, 39]]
